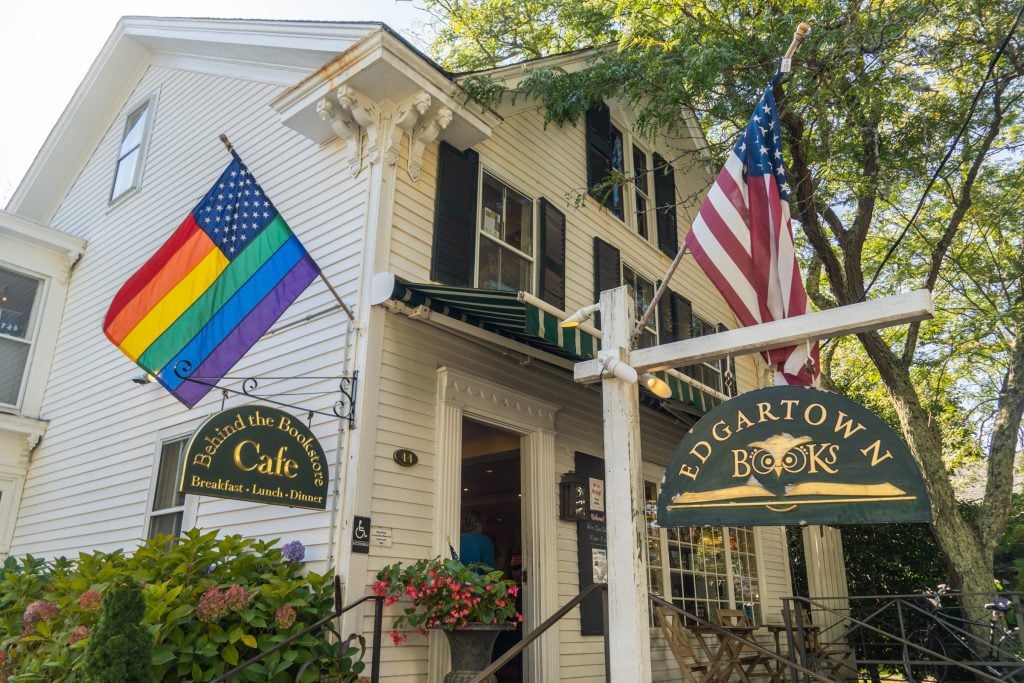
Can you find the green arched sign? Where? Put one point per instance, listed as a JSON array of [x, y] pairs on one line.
[[256, 453], [791, 455]]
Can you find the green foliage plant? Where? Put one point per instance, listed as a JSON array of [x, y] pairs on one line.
[[119, 649], [255, 599], [446, 594]]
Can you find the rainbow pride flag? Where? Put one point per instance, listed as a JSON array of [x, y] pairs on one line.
[[223, 278]]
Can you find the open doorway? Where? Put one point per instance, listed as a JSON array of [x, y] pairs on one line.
[[492, 491]]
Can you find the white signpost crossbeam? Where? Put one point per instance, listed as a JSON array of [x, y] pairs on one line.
[[868, 315], [628, 627]]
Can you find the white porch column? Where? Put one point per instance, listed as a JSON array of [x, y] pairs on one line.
[[628, 631], [826, 576]]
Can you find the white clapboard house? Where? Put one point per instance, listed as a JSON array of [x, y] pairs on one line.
[[455, 234]]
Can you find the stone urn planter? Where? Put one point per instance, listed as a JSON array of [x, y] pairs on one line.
[[472, 647]]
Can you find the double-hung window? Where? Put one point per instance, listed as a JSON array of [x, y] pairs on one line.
[[613, 156], [505, 255], [643, 295], [167, 510], [491, 235], [710, 373], [702, 569], [130, 154], [19, 305]]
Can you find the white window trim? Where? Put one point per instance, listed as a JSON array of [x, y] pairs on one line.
[[190, 508], [652, 477], [150, 102], [653, 320], [480, 234], [36, 316], [652, 218]]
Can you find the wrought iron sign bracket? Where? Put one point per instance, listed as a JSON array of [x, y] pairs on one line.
[[344, 407]]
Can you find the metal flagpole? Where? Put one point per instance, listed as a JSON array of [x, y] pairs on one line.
[[344, 306]]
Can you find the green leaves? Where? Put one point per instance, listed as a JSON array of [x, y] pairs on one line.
[[176, 575]]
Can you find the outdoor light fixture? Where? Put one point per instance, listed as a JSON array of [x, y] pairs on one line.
[[581, 316], [621, 369], [144, 379], [656, 385], [574, 497]]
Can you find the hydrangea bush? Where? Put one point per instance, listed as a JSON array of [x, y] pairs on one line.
[[446, 594], [210, 603]]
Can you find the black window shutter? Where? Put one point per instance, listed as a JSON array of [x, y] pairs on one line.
[[665, 201], [552, 256], [455, 217], [674, 314], [607, 274], [599, 146]]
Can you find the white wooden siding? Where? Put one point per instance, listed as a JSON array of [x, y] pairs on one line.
[[89, 479]]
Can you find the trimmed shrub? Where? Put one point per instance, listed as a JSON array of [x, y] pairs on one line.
[[210, 604], [120, 648]]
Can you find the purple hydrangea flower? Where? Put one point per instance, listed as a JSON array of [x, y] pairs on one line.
[[293, 551]]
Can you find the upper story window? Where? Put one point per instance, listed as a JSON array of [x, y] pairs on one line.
[[128, 173], [19, 303], [711, 373], [643, 295], [506, 241], [490, 235], [650, 209]]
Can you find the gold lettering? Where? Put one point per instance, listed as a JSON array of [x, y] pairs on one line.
[[875, 449], [202, 460], [238, 455], [741, 463], [815, 460], [689, 471], [764, 412], [807, 414], [789, 403], [847, 427], [742, 421], [703, 457], [717, 435], [286, 466]]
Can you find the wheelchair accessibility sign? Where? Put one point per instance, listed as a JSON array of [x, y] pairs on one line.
[[361, 535]]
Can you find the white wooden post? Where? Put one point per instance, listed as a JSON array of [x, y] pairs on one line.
[[628, 631]]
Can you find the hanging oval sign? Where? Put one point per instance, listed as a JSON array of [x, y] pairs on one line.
[[405, 457], [259, 454], [791, 455]]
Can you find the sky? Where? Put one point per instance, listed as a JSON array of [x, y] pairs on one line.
[[46, 47]]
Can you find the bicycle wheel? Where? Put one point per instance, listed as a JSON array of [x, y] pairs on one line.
[[922, 666], [1009, 650]]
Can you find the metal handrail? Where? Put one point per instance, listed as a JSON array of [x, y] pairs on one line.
[[757, 647], [907, 644], [378, 613], [548, 623]]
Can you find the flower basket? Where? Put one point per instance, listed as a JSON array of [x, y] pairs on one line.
[[447, 594]]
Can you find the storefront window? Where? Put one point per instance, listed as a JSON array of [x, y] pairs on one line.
[[702, 569]]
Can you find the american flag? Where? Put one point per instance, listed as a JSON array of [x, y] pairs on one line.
[[743, 239]]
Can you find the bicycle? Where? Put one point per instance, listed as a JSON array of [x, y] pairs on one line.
[[950, 637]]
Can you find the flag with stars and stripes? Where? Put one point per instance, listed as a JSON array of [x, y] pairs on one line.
[[743, 240], [210, 292]]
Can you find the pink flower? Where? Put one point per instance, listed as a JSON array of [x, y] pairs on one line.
[[398, 638], [90, 601], [3, 658], [390, 600], [519, 617], [80, 633], [284, 617], [236, 597], [40, 610], [380, 588]]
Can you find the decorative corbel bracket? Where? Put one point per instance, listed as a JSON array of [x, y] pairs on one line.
[[70, 259], [406, 116], [424, 135], [348, 117]]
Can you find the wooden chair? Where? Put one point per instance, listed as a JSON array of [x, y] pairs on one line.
[[750, 659], [679, 642]]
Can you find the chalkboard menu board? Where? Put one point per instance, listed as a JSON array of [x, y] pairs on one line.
[[592, 545]]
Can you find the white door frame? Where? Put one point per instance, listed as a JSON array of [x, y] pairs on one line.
[[459, 395]]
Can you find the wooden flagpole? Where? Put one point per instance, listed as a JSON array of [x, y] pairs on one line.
[[348, 311]]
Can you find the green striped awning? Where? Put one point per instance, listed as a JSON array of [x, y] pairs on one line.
[[501, 312], [506, 313]]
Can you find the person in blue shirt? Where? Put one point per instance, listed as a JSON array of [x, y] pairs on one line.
[[474, 544]]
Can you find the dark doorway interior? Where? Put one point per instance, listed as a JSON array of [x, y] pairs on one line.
[[492, 485]]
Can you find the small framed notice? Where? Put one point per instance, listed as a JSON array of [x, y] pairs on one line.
[[361, 535]]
